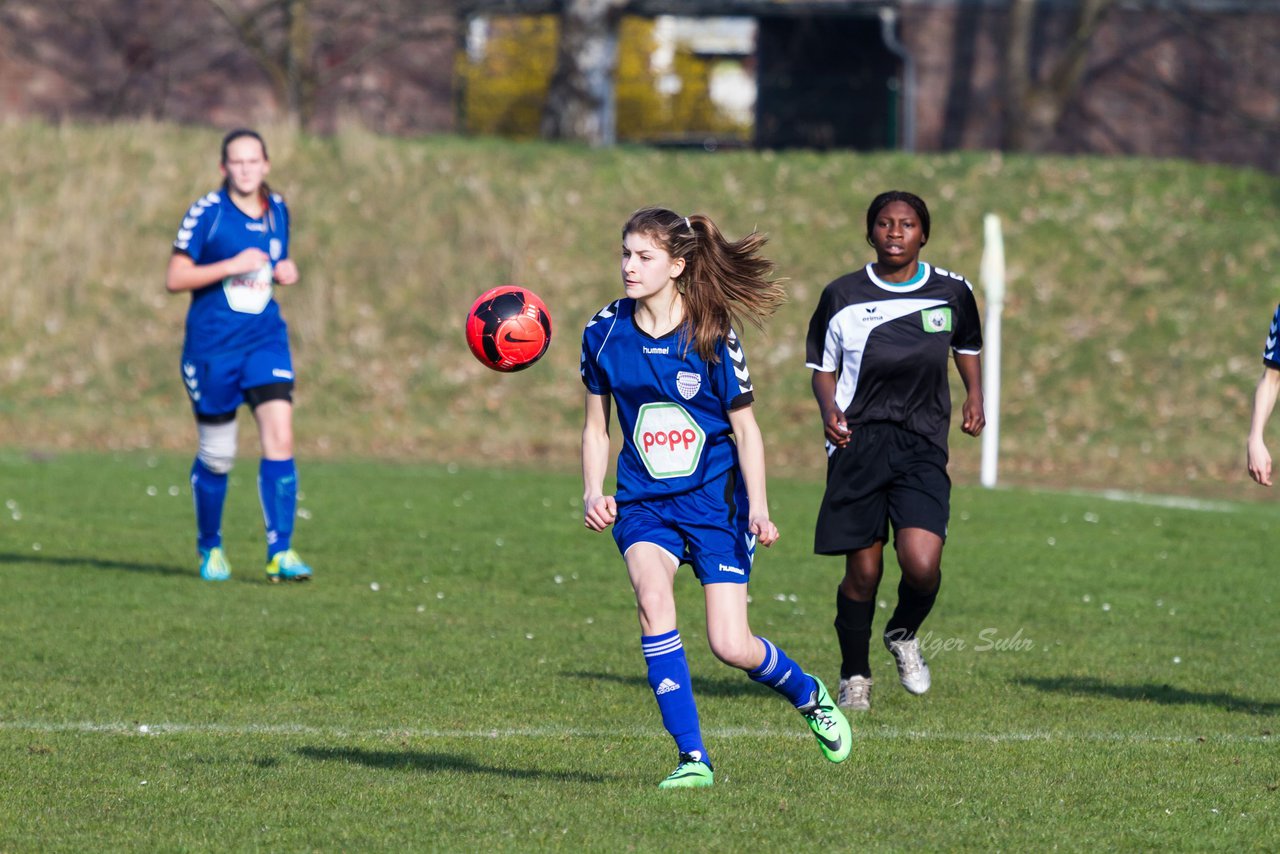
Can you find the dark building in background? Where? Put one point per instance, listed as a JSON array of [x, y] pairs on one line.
[[826, 82], [1196, 79]]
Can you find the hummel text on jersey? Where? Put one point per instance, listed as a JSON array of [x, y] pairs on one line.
[[662, 351]]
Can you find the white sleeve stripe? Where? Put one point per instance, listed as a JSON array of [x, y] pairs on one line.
[[606, 313], [739, 359]]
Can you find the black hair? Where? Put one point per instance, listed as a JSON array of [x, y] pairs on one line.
[[879, 202]]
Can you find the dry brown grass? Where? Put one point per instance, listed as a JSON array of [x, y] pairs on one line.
[[1139, 291]]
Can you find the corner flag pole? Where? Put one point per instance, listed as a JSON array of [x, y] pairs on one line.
[[992, 274]]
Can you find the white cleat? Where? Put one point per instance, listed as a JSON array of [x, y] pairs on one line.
[[855, 694], [913, 672]]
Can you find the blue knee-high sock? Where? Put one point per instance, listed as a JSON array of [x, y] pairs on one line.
[[278, 490], [209, 490], [673, 689], [783, 675]]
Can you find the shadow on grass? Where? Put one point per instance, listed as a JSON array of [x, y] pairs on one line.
[[433, 763], [95, 563], [1165, 694], [703, 686]]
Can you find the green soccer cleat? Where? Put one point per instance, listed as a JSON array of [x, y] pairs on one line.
[[213, 565], [689, 774], [829, 725], [287, 566]]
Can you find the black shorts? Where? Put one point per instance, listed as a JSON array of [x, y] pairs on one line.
[[884, 475]]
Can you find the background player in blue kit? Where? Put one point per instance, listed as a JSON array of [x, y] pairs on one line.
[[232, 246], [878, 345], [691, 474]]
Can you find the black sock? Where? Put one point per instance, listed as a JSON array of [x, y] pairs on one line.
[[853, 629], [913, 606]]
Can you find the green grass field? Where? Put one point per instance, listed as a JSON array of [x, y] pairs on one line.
[[464, 674]]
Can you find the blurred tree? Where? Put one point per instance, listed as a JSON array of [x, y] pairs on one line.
[[504, 90], [580, 103], [107, 57], [1037, 97], [139, 57], [304, 46]]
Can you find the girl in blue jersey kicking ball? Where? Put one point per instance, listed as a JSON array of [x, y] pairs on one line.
[[231, 249], [691, 472]]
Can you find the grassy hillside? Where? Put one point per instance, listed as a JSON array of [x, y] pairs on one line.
[[1139, 293]]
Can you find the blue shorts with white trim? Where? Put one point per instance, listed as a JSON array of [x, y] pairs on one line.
[[707, 528]]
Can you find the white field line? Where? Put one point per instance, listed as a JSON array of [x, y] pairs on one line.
[[1176, 502], [878, 734]]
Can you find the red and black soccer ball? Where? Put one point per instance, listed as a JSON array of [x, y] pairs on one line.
[[508, 328]]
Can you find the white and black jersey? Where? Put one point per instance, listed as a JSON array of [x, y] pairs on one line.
[[890, 344]]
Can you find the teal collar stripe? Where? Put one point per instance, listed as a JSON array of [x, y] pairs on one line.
[[922, 270]]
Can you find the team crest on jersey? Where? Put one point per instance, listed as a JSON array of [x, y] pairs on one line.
[[936, 319], [688, 383]]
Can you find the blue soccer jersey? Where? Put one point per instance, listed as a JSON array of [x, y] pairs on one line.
[[672, 406], [238, 313], [1271, 351]]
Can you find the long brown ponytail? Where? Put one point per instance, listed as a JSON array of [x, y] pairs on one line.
[[723, 283]]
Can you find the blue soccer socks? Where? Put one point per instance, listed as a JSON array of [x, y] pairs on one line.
[[278, 493], [783, 675], [209, 490], [673, 689], [278, 490]]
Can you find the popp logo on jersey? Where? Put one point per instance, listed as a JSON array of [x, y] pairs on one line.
[[669, 440], [249, 293]]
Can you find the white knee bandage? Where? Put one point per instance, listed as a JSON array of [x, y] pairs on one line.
[[217, 446]]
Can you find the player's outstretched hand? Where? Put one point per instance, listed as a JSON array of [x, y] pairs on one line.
[[601, 511], [766, 532]]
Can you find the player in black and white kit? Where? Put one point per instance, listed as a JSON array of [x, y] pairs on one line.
[[878, 345]]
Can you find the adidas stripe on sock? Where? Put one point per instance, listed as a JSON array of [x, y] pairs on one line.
[[673, 689], [783, 675]]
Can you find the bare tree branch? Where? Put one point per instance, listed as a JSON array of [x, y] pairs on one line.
[[1034, 106]]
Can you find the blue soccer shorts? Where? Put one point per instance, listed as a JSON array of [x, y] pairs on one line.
[[218, 385], [707, 528]]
